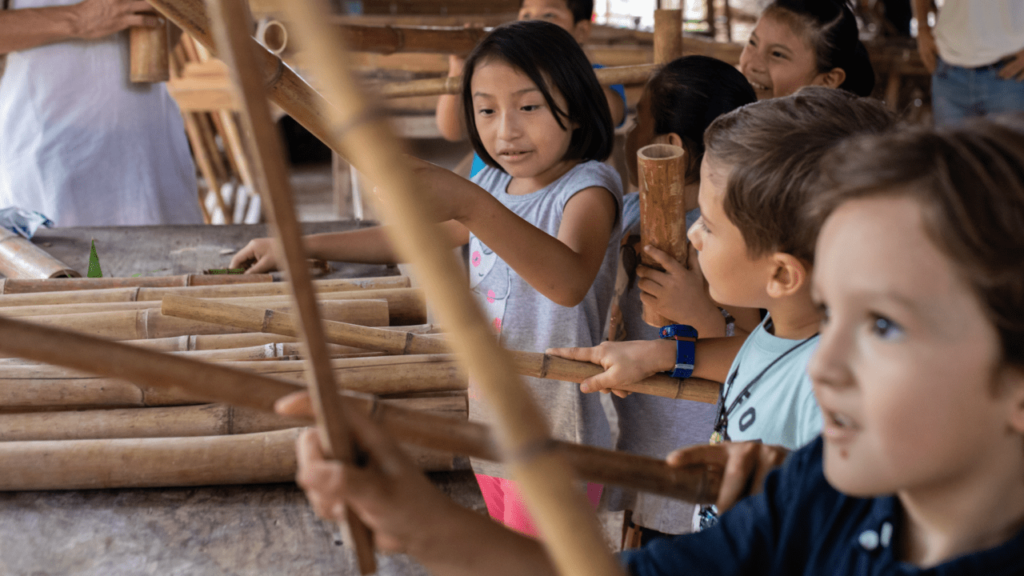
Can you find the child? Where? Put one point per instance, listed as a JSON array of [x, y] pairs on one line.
[[677, 105], [571, 15], [920, 375], [542, 221], [806, 43]]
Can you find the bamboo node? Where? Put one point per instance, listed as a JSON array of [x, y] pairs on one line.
[[270, 82], [268, 315], [409, 337], [531, 451], [545, 364]]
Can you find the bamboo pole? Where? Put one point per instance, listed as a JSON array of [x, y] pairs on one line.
[[271, 179], [662, 179], [21, 286], [160, 462], [149, 54], [218, 383], [20, 258], [668, 35], [396, 342], [150, 293], [566, 522], [431, 39], [628, 75]]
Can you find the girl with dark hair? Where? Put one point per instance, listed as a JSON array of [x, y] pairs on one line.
[[541, 220], [800, 43]]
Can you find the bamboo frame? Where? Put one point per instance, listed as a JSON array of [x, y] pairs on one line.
[[173, 375], [668, 35], [662, 179]]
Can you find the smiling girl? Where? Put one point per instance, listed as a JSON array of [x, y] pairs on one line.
[[541, 221], [800, 43]]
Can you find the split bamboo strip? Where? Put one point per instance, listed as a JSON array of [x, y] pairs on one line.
[[628, 75], [161, 462], [391, 39], [363, 312], [21, 286], [179, 421], [396, 342], [21, 259], [271, 178], [217, 383], [233, 290], [149, 54], [273, 350], [668, 35], [662, 176], [567, 524]]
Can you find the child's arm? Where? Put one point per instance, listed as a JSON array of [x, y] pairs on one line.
[[561, 268], [364, 246], [449, 106], [616, 105], [632, 361], [404, 511]]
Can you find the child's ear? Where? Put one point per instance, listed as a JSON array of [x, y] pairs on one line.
[[789, 275], [1012, 383], [581, 31], [834, 78]]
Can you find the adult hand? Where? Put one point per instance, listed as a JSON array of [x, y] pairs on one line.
[[1014, 67], [262, 251], [746, 464], [390, 494], [623, 362], [927, 48], [100, 18], [679, 293]]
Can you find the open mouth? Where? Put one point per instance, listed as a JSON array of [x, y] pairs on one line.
[[513, 154], [759, 87], [838, 426]]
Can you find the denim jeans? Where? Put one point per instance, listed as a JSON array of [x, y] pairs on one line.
[[959, 93]]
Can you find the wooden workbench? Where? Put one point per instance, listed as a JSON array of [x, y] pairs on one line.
[[239, 530]]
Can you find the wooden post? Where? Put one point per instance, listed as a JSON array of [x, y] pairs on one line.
[[149, 53], [662, 178], [668, 35], [20, 258]]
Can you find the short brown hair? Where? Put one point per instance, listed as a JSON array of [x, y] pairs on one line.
[[969, 182], [773, 148]]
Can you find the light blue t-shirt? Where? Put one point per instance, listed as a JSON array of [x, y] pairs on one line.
[[781, 408]]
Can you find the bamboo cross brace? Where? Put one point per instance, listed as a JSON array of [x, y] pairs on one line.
[[219, 383], [229, 19], [567, 524], [397, 342]]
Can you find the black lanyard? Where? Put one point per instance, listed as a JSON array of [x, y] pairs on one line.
[[722, 421]]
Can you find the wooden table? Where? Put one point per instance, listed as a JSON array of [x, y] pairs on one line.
[[239, 530]]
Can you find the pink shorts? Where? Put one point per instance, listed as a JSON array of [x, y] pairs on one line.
[[505, 505]]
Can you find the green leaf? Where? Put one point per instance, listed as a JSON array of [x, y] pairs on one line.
[[94, 263]]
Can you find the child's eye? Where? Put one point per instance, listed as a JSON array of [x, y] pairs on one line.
[[530, 107], [824, 313], [779, 55], [484, 111], [703, 225], [752, 42], [885, 328]]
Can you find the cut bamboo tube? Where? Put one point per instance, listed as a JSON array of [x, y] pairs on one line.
[[271, 179], [244, 290], [21, 259], [217, 383], [21, 286], [628, 75], [363, 312], [161, 462], [668, 35], [273, 35], [396, 342], [662, 178], [565, 520], [391, 39], [149, 54], [178, 421]]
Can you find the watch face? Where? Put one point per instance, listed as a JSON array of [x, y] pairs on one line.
[[678, 331]]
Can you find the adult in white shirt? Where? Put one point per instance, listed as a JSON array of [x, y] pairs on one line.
[[78, 141], [975, 55]]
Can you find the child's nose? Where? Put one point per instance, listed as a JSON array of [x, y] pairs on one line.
[[695, 237], [828, 366], [509, 127]]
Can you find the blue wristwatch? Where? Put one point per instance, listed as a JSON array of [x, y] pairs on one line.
[[686, 342]]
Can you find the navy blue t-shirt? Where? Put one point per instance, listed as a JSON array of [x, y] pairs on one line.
[[801, 525]]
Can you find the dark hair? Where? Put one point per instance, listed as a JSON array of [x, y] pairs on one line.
[[773, 148], [689, 93], [969, 181], [544, 51], [581, 9], [830, 27]]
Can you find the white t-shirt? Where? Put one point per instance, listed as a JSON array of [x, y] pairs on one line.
[[973, 33]]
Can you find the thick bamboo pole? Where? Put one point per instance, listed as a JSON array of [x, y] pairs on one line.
[[149, 54], [20, 258], [662, 179], [668, 35], [218, 383], [628, 75], [271, 179], [21, 286], [391, 39], [563, 516], [160, 462], [395, 342], [144, 293]]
